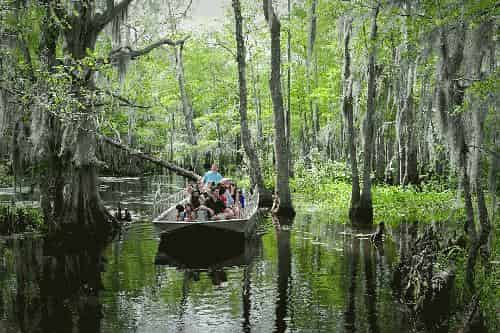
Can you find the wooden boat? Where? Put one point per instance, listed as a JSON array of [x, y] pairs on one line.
[[165, 212]]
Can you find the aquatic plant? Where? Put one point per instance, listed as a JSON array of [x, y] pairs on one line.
[[327, 185]]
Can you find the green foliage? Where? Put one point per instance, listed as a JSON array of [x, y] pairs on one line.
[[6, 178], [19, 219], [327, 185], [488, 281]]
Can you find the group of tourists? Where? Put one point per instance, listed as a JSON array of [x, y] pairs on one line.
[[212, 198]]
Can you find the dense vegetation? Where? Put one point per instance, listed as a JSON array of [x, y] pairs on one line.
[[380, 110]]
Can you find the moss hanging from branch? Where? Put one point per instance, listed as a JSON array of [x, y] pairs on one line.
[[139, 154]]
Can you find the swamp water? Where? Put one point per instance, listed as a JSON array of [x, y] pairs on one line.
[[305, 275]]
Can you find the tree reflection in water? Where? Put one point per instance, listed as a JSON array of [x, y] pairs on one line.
[[282, 225], [54, 291], [223, 250], [351, 250]]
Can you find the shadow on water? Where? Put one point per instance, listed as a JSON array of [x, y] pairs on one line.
[[48, 291]]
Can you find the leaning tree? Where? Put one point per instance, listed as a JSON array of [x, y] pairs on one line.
[[63, 103]]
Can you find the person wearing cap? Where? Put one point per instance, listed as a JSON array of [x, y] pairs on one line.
[[212, 175]]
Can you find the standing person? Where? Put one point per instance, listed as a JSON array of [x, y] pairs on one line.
[[212, 175]]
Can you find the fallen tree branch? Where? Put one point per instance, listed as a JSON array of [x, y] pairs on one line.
[[167, 165]]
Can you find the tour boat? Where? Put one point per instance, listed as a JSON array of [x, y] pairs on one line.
[[165, 212]]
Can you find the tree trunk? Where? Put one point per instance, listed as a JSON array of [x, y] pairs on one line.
[[187, 107], [482, 43], [258, 106], [167, 165], [46, 133], [255, 171], [171, 135], [281, 149], [347, 110], [288, 116], [410, 169], [409, 172], [83, 212], [449, 95], [364, 215], [310, 69], [131, 126], [380, 154]]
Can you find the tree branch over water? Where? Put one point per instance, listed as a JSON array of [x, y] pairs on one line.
[[136, 153]]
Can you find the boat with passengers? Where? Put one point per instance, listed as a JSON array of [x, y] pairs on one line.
[[166, 221]]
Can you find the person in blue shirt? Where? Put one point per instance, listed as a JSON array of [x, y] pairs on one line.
[[212, 175]]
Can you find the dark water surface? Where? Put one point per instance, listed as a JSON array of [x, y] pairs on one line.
[[305, 275]]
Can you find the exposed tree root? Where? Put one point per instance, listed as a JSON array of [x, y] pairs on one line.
[[422, 284]]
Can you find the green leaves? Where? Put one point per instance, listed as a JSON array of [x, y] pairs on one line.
[[327, 185]]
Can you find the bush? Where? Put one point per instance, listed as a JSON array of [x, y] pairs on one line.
[[19, 219]]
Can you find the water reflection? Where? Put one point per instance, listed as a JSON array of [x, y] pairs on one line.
[[137, 193], [282, 227], [45, 291], [312, 274], [221, 251], [246, 295], [351, 251], [368, 277], [205, 248]]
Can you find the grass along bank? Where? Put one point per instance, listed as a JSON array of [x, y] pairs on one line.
[[328, 187]]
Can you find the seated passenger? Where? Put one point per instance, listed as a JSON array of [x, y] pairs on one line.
[[241, 198], [194, 199], [207, 205], [202, 212], [226, 190], [188, 213], [180, 213], [235, 194], [221, 211], [221, 194]]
